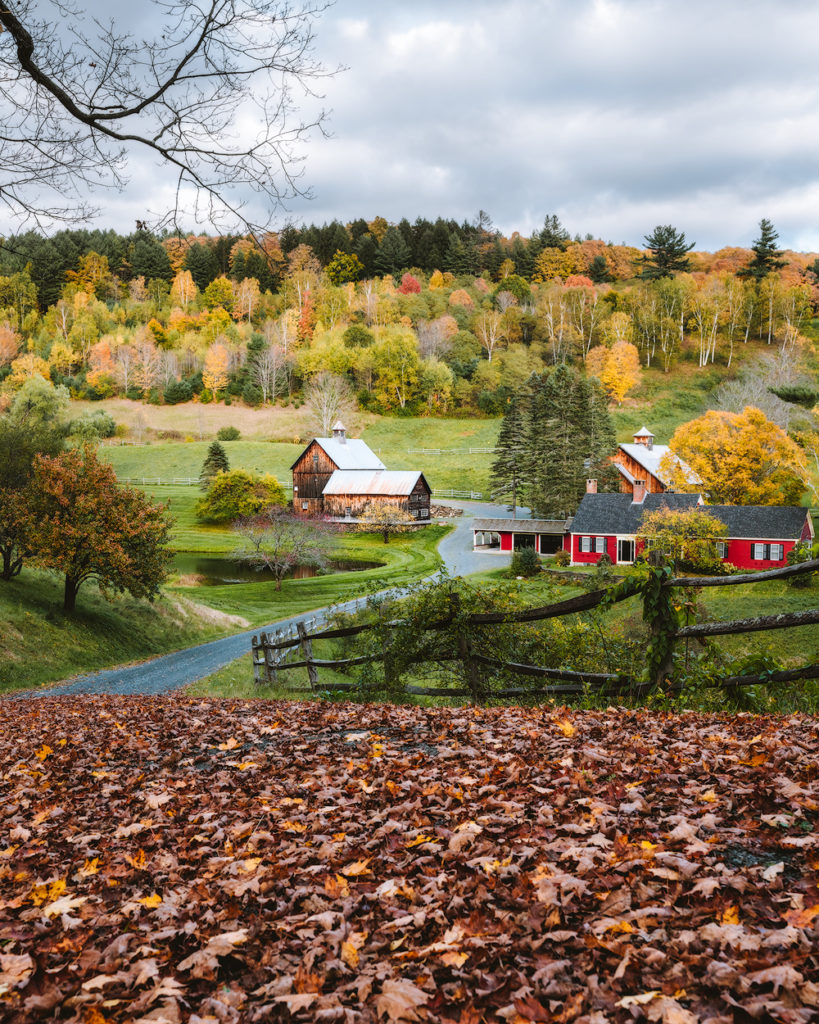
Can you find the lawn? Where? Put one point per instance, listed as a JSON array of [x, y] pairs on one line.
[[38, 644]]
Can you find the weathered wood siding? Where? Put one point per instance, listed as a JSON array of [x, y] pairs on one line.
[[653, 485], [338, 504], [310, 475]]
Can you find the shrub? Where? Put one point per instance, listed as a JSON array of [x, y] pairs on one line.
[[178, 391], [799, 553], [562, 558], [525, 562], [93, 425], [252, 394], [239, 495], [228, 434]]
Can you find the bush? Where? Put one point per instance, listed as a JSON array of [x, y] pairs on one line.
[[525, 562], [252, 394], [799, 553], [228, 434], [93, 425], [178, 391], [562, 558], [239, 495]]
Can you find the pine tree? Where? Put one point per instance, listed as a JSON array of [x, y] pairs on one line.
[[668, 252], [568, 436], [766, 255], [599, 269], [507, 469], [216, 461], [393, 254]]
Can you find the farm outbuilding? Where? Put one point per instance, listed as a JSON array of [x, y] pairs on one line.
[[341, 477], [348, 493], [506, 535]]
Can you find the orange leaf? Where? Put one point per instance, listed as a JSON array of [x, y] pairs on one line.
[[349, 954], [566, 727], [730, 915], [356, 868], [151, 901], [802, 918]]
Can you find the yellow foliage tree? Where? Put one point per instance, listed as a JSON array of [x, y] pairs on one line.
[[215, 373], [183, 289], [554, 262], [617, 368], [436, 280], [25, 367], [742, 459]]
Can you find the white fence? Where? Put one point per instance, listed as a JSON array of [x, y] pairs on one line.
[[450, 451], [465, 495], [170, 481]]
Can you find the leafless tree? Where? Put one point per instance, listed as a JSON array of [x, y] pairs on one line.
[[279, 542], [432, 338], [268, 373], [328, 398], [209, 93]]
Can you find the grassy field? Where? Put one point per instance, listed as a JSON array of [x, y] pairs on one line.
[[272, 438], [39, 645], [404, 560]]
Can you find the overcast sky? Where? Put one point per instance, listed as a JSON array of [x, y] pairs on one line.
[[615, 114]]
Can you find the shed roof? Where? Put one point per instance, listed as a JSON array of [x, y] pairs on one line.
[[556, 526], [384, 483], [650, 459], [351, 453]]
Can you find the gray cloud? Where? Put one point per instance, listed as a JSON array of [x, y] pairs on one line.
[[615, 114]]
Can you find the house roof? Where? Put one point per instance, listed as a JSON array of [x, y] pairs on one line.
[[384, 483], [351, 453], [556, 526], [620, 514], [761, 522], [650, 459], [624, 473], [611, 514]]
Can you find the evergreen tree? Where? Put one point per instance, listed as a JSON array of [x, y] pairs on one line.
[[393, 254], [568, 435], [599, 269], [149, 259], [766, 256], [201, 262], [367, 252], [668, 250], [216, 461], [507, 469], [553, 235]]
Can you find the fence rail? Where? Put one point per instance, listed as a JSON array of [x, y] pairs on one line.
[[450, 451], [172, 481], [274, 654], [449, 493]]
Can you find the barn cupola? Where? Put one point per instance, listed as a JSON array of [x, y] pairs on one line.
[[644, 437], [339, 432]]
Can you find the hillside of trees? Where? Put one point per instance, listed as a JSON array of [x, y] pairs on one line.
[[414, 319]]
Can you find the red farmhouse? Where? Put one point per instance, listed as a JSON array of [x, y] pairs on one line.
[[759, 536]]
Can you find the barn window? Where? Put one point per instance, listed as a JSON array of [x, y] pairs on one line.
[[722, 548], [425, 513], [767, 552], [348, 511], [305, 505]]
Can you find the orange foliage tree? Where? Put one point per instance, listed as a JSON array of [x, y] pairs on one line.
[[88, 527], [215, 373], [742, 459]]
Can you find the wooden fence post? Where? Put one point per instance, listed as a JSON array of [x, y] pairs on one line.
[[307, 651], [257, 662], [471, 670]]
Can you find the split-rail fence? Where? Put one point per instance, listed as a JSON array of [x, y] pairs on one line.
[[278, 652]]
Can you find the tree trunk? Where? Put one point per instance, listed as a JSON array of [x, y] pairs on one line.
[[386, 536], [70, 594]]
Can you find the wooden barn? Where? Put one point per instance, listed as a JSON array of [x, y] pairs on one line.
[[323, 457], [646, 462], [349, 492]]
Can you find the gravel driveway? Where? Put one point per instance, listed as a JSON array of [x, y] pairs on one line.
[[173, 671]]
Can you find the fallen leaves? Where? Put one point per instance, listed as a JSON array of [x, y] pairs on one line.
[[177, 860]]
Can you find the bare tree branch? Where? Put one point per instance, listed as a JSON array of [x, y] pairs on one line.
[[210, 95]]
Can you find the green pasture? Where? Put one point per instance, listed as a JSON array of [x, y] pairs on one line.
[[38, 644]]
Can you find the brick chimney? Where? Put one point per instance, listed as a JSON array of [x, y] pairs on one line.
[[591, 487], [638, 495]]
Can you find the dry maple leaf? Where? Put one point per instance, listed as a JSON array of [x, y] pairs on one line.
[[399, 1000]]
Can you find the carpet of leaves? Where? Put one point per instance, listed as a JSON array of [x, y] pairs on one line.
[[166, 859]]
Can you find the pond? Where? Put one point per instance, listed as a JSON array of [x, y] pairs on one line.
[[212, 571]]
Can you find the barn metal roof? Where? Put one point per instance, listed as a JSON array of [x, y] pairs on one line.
[[351, 453], [384, 483], [650, 459]]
